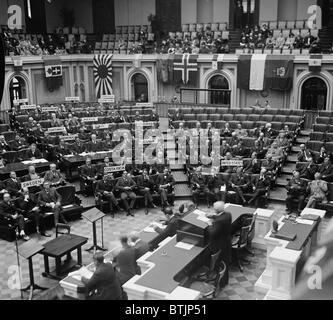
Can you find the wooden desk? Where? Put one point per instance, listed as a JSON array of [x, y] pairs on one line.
[[59, 247], [237, 211], [21, 169]]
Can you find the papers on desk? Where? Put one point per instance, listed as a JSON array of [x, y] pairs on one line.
[[149, 230], [199, 213], [183, 245], [204, 219], [34, 161], [83, 272], [304, 221]]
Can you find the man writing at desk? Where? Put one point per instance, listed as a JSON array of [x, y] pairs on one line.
[[172, 224], [103, 285]]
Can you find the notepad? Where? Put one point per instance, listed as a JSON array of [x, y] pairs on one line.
[[83, 272], [183, 245]]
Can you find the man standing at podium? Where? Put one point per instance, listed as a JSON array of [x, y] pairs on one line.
[[220, 237], [103, 285]]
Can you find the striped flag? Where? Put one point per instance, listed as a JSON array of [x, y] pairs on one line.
[[315, 62], [217, 63], [103, 74], [185, 68], [261, 72]]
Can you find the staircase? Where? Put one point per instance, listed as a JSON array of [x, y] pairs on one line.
[[234, 39], [182, 190], [279, 194], [326, 33]]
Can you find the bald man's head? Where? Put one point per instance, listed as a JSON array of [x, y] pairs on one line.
[[219, 207]]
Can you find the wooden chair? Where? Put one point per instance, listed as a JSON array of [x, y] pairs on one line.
[[238, 243]]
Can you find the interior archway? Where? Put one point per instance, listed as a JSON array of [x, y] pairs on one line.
[[17, 89], [139, 85], [218, 82], [314, 94]]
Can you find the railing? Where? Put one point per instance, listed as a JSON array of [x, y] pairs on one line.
[[214, 96]]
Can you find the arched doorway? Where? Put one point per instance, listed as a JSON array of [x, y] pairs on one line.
[[314, 94], [139, 87], [217, 83], [17, 89]]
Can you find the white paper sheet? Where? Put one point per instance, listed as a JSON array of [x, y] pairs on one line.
[[149, 229], [199, 213], [304, 221], [204, 219], [83, 272], [183, 245]]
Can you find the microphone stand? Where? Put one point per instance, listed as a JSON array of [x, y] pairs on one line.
[[18, 264]]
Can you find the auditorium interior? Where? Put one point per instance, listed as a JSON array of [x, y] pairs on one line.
[[166, 149]]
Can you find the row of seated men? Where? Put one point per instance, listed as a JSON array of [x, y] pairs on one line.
[[145, 181], [217, 187], [17, 206]]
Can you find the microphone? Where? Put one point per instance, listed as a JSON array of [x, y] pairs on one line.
[[275, 226]]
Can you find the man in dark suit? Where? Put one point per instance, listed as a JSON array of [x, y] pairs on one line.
[[220, 237], [54, 176], [309, 170], [296, 190], [4, 146], [199, 185], [125, 261], [122, 117], [326, 169], [18, 143], [165, 182], [126, 186], [177, 116], [304, 155], [141, 247], [78, 146], [239, 184], [94, 145], [9, 211], [34, 153], [89, 175], [259, 186], [216, 185], [13, 185], [153, 116], [27, 204], [104, 284], [252, 166], [105, 188], [50, 200], [172, 225], [145, 187]]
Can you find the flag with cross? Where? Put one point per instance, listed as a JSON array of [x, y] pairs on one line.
[[185, 68], [53, 72]]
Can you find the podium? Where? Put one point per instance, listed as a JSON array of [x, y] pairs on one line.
[[93, 215], [27, 250]]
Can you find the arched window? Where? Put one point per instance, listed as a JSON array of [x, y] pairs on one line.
[[139, 88], [314, 94], [219, 83], [17, 89]]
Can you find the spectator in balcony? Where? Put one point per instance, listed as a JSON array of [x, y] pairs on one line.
[[308, 40], [304, 155], [290, 41], [270, 42], [275, 152], [279, 43], [317, 190], [260, 42], [243, 42], [299, 42], [252, 166], [315, 47], [240, 132], [264, 31]]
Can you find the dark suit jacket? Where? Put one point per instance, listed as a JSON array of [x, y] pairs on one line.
[[78, 148], [220, 235], [145, 183], [26, 206], [301, 155], [7, 210], [104, 285], [141, 248], [170, 230], [90, 171], [53, 177], [13, 187], [104, 186], [126, 262], [94, 147], [122, 183], [37, 154], [52, 196], [165, 179]]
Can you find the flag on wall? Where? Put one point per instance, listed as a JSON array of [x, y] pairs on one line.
[[185, 68], [315, 62], [2, 66], [261, 72], [164, 67], [103, 74], [217, 63], [53, 72]]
